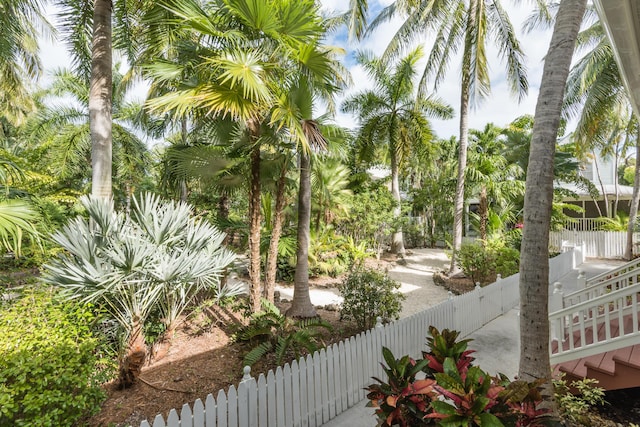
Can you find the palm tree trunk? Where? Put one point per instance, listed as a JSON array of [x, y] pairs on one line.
[[534, 258], [484, 214], [604, 191], [134, 357], [397, 242], [462, 165], [635, 199], [276, 231], [254, 217], [301, 305], [100, 100], [184, 191]]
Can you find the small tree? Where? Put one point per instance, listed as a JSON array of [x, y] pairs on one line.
[[159, 258]]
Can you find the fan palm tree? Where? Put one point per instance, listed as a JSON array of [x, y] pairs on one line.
[[534, 259], [247, 57], [469, 24], [392, 115], [157, 258], [63, 127]]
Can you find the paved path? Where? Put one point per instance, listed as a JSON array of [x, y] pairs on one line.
[[415, 277], [497, 344]]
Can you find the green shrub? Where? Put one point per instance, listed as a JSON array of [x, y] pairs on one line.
[[575, 407], [368, 294], [476, 262], [507, 261], [49, 372]]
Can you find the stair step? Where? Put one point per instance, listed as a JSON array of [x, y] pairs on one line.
[[602, 363]]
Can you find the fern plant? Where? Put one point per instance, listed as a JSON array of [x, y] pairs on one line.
[[270, 331]]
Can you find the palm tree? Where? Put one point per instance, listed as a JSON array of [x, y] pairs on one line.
[[63, 128], [470, 23], [534, 259], [490, 172], [21, 22], [392, 115], [157, 258], [246, 58], [596, 94]]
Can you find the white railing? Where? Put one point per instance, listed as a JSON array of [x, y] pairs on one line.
[[598, 244], [314, 389], [584, 224], [602, 287], [631, 265], [578, 330]]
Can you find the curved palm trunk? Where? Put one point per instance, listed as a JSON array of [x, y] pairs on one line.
[[134, 357], [276, 231], [635, 199], [397, 242], [100, 100], [254, 217], [301, 305], [534, 258]]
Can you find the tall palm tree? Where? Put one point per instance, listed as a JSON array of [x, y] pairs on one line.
[[534, 258], [469, 24], [595, 93], [247, 56], [391, 114], [63, 127], [88, 28]]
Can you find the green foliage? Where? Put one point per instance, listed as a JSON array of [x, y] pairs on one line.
[[270, 331], [476, 262], [370, 218], [481, 262], [369, 294], [574, 406], [49, 371], [455, 394]]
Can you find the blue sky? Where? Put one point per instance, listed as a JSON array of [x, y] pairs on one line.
[[500, 108]]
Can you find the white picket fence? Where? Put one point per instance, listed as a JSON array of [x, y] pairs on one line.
[[599, 244], [314, 389]]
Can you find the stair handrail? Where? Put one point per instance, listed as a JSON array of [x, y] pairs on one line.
[[624, 268], [579, 317], [620, 281]]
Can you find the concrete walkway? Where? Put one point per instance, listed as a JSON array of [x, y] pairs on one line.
[[497, 344]]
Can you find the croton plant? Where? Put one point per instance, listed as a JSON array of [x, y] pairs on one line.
[[453, 392]]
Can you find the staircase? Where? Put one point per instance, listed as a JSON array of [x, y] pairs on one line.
[[596, 333]]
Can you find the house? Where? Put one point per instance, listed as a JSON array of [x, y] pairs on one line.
[[612, 197]]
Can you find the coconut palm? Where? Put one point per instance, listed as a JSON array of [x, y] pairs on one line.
[[469, 24], [534, 259], [391, 115], [157, 258], [22, 22], [247, 56], [595, 93]]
